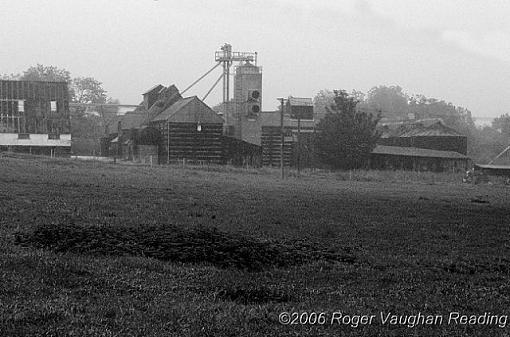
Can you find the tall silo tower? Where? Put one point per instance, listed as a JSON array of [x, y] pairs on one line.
[[248, 102]]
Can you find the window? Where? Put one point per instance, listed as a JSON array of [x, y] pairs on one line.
[[53, 136], [53, 106], [23, 136]]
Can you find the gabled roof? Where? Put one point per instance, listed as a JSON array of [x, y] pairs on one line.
[[494, 167], [157, 86], [436, 129], [418, 129], [189, 110], [416, 152]]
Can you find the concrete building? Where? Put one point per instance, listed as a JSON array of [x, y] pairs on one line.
[[243, 113]]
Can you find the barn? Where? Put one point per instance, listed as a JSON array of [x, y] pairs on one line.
[[190, 131], [425, 134], [424, 145], [34, 117], [167, 128]]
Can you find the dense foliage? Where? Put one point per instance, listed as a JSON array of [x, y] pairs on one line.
[[484, 143], [346, 136]]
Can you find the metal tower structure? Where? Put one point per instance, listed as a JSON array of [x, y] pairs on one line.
[[226, 57]]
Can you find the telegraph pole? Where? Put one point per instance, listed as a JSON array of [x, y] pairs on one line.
[[282, 137], [299, 142]]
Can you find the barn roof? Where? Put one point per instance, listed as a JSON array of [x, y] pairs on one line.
[[419, 129], [157, 86], [200, 112], [494, 167], [416, 152]]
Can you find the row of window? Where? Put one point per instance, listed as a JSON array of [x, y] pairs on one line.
[[21, 105], [27, 136]]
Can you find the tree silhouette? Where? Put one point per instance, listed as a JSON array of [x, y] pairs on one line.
[[345, 136]]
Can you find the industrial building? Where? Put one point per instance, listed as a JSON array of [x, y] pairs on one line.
[[167, 127], [34, 117]]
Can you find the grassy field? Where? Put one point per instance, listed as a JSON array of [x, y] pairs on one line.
[[96, 249]]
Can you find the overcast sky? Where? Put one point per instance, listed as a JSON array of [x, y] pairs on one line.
[[456, 50]]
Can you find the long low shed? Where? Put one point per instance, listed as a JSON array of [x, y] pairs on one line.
[[412, 158]]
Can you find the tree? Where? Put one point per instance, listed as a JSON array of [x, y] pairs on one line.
[[392, 101], [88, 90], [345, 136], [81, 89], [11, 77], [48, 73], [502, 124], [326, 98]]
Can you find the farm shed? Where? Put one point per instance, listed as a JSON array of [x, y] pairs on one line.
[[123, 131], [418, 159], [433, 135], [34, 117], [494, 170], [190, 130]]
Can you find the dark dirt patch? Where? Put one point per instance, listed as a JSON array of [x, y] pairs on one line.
[[188, 245]]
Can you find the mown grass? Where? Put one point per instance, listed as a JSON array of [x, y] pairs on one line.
[[422, 246]]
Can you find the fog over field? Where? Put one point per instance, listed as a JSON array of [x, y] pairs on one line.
[[455, 50]]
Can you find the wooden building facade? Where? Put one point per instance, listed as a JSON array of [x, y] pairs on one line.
[[190, 131], [34, 117]]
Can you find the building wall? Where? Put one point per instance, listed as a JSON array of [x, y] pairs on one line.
[[185, 142], [389, 162], [440, 143], [246, 124], [147, 154], [12, 139], [34, 107]]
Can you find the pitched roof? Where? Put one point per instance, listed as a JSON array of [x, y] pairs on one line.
[[418, 129], [494, 167], [189, 110], [157, 86], [416, 152]]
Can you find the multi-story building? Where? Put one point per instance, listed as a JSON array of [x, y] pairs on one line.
[[34, 117]]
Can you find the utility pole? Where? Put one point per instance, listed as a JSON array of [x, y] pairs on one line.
[[298, 142], [168, 142], [282, 137]]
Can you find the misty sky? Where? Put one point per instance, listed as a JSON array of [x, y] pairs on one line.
[[456, 50]]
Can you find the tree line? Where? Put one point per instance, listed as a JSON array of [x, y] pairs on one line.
[[393, 103]]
